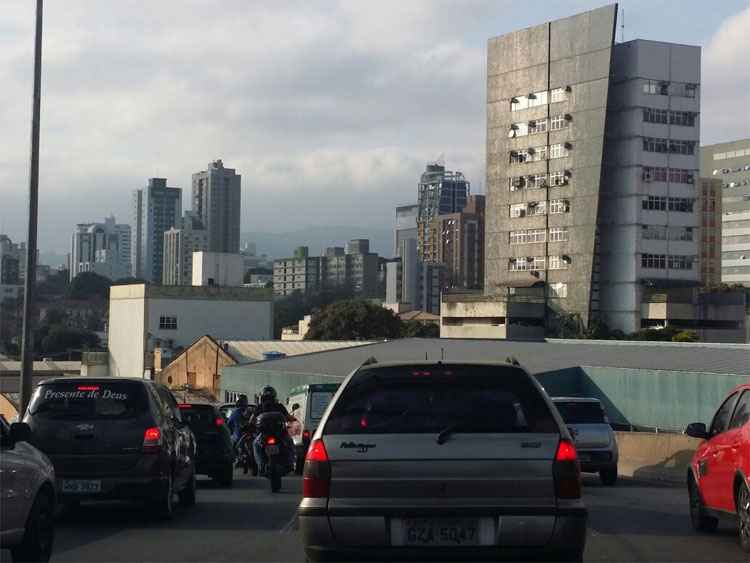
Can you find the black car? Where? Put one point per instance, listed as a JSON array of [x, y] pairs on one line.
[[215, 455], [112, 438]]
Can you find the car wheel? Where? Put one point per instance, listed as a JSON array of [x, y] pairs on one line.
[[40, 531], [608, 476], [187, 495], [226, 478], [743, 514], [163, 506], [700, 520]]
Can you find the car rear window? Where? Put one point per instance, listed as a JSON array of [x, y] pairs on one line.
[[581, 413], [83, 400], [462, 399], [319, 401], [199, 417]]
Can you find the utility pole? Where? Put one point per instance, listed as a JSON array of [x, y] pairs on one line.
[[27, 340]]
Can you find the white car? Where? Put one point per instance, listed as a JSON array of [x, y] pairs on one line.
[[27, 496]]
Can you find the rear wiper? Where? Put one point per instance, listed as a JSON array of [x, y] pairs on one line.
[[445, 433]]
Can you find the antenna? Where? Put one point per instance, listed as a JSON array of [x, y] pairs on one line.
[[622, 26]]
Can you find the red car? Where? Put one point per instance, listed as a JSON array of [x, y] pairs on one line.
[[719, 475]]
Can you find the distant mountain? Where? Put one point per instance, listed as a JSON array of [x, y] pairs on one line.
[[281, 245]]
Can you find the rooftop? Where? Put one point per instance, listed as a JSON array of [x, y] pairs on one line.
[[141, 290], [248, 351]]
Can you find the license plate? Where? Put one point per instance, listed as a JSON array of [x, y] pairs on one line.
[[272, 450], [584, 457], [81, 486], [440, 532]]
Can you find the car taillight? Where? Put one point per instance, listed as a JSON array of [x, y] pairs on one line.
[[567, 471], [271, 441], [152, 439], [88, 388], [316, 482], [306, 435], [219, 421]]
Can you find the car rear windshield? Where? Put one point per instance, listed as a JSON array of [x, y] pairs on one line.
[[319, 401], [82, 400], [459, 399], [580, 413], [199, 417]]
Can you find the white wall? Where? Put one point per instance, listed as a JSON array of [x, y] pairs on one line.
[[126, 339], [226, 270]]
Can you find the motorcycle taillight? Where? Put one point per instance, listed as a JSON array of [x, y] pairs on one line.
[[271, 441]]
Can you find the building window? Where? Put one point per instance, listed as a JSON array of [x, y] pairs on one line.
[[536, 181], [655, 87], [654, 261], [655, 203], [681, 204], [167, 323], [558, 122], [559, 206], [558, 95], [558, 234], [558, 151], [681, 262], [529, 264], [690, 90], [536, 208], [518, 210], [558, 179], [681, 233], [537, 99], [681, 147], [557, 290], [654, 232], [720, 156], [518, 130], [519, 156], [654, 174], [650, 144], [681, 176], [538, 126], [684, 118], [559, 262], [651, 115], [527, 236]]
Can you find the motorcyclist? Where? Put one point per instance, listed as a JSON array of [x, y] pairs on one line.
[[238, 419], [269, 403]]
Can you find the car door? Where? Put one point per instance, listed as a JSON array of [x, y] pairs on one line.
[[732, 441], [16, 477], [713, 459], [181, 436]]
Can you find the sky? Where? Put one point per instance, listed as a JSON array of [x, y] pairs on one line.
[[328, 109]]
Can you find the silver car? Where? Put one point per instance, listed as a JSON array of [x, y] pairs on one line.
[[446, 460], [594, 438], [27, 491]]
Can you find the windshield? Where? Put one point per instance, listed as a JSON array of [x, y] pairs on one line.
[[319, 401], [83, 400], [460, 399], [199, 417], [581, 413]]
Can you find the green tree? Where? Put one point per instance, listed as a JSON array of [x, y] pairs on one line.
[[416, 329], [686, 336], [353, 319], [292, 308], [88, 285], [58, 341]]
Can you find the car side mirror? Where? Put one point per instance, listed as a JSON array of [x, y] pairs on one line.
[[697, 430], [19, 432]]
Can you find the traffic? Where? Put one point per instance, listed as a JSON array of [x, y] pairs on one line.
[[402, 461]]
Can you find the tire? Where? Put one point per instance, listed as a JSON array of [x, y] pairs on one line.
[[274, 475], [163, 506], [701, 521], [743, 516], [187, 495], [40, 531], [226, 477], [608, 476]]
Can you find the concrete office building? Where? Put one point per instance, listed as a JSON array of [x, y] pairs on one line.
[[406, 225], [591, 166], [440, 192], [412, 284], [217, 198], [159, 209], [301, 272], [218, 269], [102, 248], [730, 163], [179, 246], [709, 251]]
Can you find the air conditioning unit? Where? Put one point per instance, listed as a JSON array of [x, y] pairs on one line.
[[568, 145], [568, 117], [568, 89], [532, 123], [522, 213], [568, 173], [531, 96], [531, 150]]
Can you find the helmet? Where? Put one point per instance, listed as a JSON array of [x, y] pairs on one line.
[[242, 402], [268, 394]]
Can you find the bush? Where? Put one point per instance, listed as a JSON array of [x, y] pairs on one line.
[[686, 336]]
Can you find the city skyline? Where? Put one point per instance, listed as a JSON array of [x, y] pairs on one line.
[[358, 159]]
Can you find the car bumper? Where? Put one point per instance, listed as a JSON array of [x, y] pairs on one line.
[[118, 488], [593, 461]]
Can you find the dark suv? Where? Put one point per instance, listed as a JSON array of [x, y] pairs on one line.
[[112, 438], [215, 456]]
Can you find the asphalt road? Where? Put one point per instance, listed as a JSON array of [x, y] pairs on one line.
[[247, 523]]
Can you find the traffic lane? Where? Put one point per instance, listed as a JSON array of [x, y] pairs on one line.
[[637, 522], [244, 523]]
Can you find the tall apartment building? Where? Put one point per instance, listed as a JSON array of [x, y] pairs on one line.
[[217, 198], [591, 166], [301, 272], [156, 209], [730, 164], [103, 248], [709, 251], [406, 225], [136, 226], [179, 245], [457, 240], [440, 192]]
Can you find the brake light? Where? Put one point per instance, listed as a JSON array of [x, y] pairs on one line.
[[88, 388], [219, 421], [363, 422], [184, 406], [317, 476], [271, 441], [306, 435], [152, 439], [567, 471]]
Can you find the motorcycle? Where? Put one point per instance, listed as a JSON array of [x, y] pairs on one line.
[[245, 457], [272, 430]]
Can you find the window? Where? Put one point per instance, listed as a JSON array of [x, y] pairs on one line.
[[558, 179], [681, 262], [653, 87], [527, 236], [559, 262], [557, 290], [654, 174], [537, 99], [539, 126], [558, 95], [742, 412], [518, 210], [681, 204], [559, 206], [654, 261], [650, 144], [655, 203], [681, 147], [558, 234], [684, 118], [518, 130], [168, 323], [558, 151], [651, 115], [516, 183], [528, 264], [690, 90], [720, 156], [722, 416], [654, 232], [558, 122], [536, 208], [681, 233], [536, 181], [65, 400], [519, 156], [681, 176]]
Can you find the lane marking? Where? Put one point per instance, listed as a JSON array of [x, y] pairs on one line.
[[289, 526]]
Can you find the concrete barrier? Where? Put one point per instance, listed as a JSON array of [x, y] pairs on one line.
[[655, 457]]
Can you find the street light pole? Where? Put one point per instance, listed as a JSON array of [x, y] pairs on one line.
[[27, 340]]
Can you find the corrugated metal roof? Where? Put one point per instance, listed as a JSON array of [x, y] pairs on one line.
[[245, 351], [537, 357]]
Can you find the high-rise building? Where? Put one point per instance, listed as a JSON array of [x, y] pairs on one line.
[[592, 165], [730, 164], [136, 226], [440, 192], [406, 225], [179, 245], [402, 277], [11, 256], [217, 197], [159, 209], [709, 251], [301, 272], [101, 248]]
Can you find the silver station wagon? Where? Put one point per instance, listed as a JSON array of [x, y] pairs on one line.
[[442, 461]]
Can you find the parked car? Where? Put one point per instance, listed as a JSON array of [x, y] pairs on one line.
[[27, 524], [307, 403], [446, 460], [112, 438], [594, 438], [215, 454], [717, 479]]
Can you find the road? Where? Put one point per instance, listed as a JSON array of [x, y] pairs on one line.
[[629, 522]]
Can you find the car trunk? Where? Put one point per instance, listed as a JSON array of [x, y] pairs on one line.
[[201, 419], [590, 436], [587, 422]]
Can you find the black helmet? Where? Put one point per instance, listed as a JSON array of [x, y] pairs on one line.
[[242, 402], [268, 394]]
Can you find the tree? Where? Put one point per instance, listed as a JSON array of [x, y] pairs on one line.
[[353, 319], [293, 308], [686, 336], [87, 285], [59, 341], [416, 329]]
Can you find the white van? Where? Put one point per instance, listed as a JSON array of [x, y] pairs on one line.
[[307, 403]]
